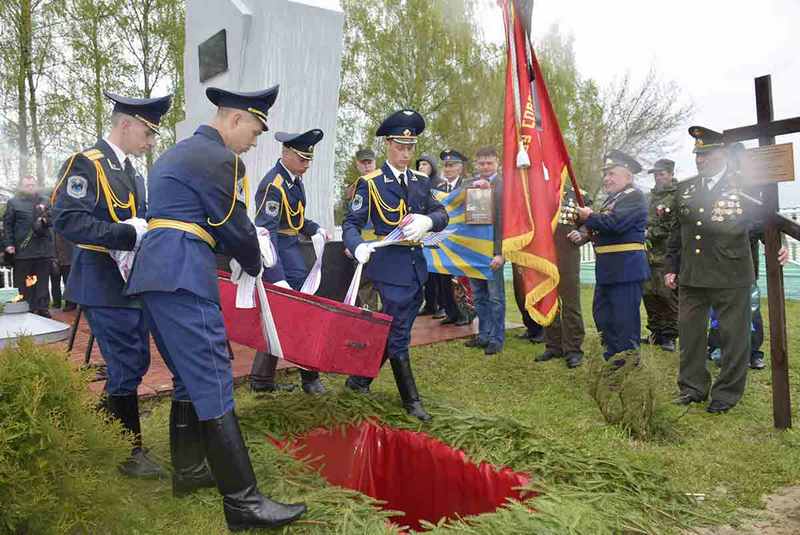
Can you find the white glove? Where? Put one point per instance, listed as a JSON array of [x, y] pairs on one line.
[[283, 284], [363, 252], [418, 227], [268, 255], [140, 225], [324, 233], [236, 270]]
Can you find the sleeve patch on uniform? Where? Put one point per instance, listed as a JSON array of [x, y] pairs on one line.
[[272, 208], [77, 186], [357, 203]]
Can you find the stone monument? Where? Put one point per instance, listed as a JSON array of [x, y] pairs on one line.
[[245, 45]]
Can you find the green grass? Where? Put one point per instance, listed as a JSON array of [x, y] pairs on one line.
[[510, 410]]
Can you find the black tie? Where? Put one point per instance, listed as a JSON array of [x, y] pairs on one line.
[[129, 172], [402, 178]]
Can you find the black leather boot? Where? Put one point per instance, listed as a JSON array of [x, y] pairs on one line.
[[188, 450], [311, 382], [358, 384], [139, 465], [262, 374], [245, 507], [408, 389]]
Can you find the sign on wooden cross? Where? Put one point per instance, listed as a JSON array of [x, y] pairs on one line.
[[765, 130]]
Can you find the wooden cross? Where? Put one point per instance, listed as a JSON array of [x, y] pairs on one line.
[[765, 130]]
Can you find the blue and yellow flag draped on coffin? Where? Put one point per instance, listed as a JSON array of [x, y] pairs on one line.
[[468, 249]]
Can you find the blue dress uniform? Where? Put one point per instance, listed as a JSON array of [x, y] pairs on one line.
[[281, 204], [621, 265], [95, 195], [198, 189], [397, 271]]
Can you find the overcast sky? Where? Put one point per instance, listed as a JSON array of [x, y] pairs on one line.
[[713, 49]]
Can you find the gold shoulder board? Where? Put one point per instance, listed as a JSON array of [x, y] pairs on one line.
[[93, 154], [278, 182], [373, 174]]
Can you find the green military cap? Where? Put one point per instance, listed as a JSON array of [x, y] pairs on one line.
[[664, 164], [365, 154], [617, 158], [705, 139]]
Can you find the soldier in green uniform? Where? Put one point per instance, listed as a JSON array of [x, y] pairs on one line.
[[564, 337], [661, 302], [709, 257]]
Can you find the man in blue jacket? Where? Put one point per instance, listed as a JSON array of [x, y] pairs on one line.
[[100, 204], [621, 266], [280, 208], [385, 197], [196, 210]]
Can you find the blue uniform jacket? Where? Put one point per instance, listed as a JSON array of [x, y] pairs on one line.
[[279, 197], [82, 215], [194, 182], [622, 219], [376, 195]]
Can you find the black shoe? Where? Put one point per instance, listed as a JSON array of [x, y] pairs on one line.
[[475, 342], [538, 339], [138, 465], [686, 399], [492, 349], [525, 335], [408, 389], [718, 407], [547, 355], [757, 363], [448, 320], [271, 387], [314, 387], [462, 321], [358, 384], [574, 360], [245, 507], [188, 450], [426, 312], [667, 344], [439, 314], [44, 313]]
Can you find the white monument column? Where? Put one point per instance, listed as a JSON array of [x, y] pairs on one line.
[[247, 45]]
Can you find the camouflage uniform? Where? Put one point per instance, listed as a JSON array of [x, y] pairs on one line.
[[660, 302]]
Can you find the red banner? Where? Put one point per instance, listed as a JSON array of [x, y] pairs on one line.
[[535, 169]]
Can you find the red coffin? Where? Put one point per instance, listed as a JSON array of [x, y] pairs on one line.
[[315, 333]]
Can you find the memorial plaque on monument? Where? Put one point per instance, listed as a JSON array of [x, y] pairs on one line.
[[479, 206], [769, 163], [213, 53]]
